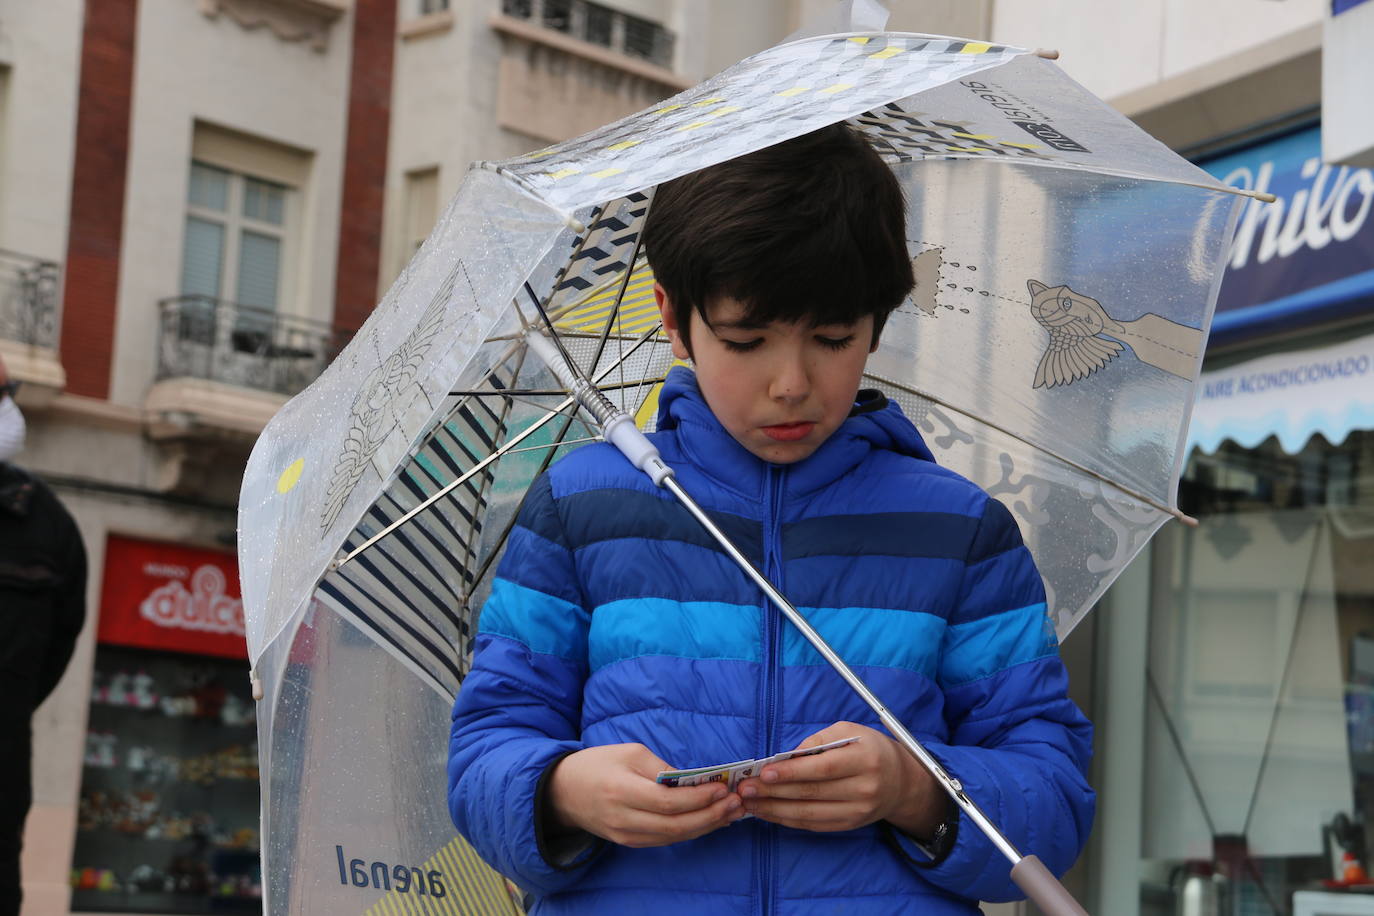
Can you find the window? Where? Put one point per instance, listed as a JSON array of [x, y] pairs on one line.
[[242, 223], [235, 235], [421, 209], [433, 6], [558, 15], [647, 40], [598, 25]]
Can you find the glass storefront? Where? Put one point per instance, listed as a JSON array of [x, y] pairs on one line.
[[1259, 775], [169, 806], [168, 816]]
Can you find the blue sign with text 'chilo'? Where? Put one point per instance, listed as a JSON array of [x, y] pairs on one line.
[[1306, 257]]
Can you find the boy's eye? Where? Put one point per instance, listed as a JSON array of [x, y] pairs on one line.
[[741, 346], [835, 343]]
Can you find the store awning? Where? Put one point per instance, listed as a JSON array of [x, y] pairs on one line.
[[1294, 395]]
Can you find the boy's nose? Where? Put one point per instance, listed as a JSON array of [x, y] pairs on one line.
[[791, 381]]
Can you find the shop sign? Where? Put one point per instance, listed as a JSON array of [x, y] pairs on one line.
[[1313, 246], [157, 595], [1292, 395]]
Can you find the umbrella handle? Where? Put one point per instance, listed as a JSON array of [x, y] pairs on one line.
[[1031, 875]]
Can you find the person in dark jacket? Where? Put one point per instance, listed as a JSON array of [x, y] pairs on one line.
[[619, 641], [42, 609]]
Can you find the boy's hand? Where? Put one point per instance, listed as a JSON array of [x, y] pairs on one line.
[[611, 791], [849, 787]]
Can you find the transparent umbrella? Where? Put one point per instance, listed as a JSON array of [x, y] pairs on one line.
[[1066, 268]]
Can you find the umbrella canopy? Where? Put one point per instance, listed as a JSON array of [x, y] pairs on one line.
[[1066, 267]]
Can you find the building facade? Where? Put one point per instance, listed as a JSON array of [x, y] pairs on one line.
[[200, 200]]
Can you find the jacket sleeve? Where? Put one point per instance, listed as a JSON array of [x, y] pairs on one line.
[[1016, 741], [519, 709], [69, 606]]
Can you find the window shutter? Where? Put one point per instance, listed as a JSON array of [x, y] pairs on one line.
[[209, 187], [202, 260], [259, 268]]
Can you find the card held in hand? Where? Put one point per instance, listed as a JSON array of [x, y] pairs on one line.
[[732, 773]]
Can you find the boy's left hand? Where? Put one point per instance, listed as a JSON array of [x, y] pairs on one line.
[[848, 787]]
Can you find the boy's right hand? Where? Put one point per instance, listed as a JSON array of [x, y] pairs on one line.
[[611, 791]]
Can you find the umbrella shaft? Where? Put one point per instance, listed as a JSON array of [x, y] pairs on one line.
[[951, 786]]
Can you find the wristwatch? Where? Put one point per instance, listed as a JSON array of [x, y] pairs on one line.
[[942, 840]]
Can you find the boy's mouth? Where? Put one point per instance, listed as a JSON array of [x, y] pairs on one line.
[[788, 432]]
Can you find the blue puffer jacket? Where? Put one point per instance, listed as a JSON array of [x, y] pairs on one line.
[[615, 619]]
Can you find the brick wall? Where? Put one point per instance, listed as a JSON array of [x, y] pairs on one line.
[[97, 211], [364, 183]]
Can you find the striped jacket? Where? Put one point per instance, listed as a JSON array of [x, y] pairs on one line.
[[614, 618]]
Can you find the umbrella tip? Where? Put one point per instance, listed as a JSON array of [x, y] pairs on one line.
[[1187, 520], [1047, 53], [257, 684]]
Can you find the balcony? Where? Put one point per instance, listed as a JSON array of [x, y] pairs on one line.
[[568, 66], [29, 320], [219, 341], [599, 25], [223, 369], [28, 299]]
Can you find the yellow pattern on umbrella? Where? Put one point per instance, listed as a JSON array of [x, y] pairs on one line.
[[637, 313], [470, 888]]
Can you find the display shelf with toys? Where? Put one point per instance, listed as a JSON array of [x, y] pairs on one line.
[[168, 813]]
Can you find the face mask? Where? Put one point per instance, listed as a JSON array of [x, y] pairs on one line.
[[11, 429]]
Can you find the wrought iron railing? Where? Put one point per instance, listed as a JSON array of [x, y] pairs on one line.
[[208, 338], [28, 299]]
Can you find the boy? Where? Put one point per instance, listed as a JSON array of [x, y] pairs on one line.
[[619, 641]]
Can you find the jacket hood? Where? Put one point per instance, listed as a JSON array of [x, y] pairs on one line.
[[875, 423]]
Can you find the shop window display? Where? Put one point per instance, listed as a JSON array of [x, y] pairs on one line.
[[1259, 782], [169, 796]]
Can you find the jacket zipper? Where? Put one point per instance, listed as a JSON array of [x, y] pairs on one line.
[[772, 626]]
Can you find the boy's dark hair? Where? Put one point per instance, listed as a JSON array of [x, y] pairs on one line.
[[812, 229]]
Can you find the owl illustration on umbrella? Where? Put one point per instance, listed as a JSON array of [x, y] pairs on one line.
[[1081, 337]]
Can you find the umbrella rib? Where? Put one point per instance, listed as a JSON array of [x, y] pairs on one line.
[[549, 392], [614, 316], [555, 445], [510, 523], [1263, 196], [1168, 510], [449, 487], [497, 453]]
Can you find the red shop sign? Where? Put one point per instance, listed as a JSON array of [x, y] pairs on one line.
[[165, 596]]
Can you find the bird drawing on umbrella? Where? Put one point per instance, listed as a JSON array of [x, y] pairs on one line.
[[1081, 335]]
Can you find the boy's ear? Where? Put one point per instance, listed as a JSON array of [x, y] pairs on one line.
[[669, 319]]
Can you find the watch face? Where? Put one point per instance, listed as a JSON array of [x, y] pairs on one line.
[[942, 839]]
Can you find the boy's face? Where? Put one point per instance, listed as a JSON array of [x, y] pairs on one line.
[[780, 389]]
